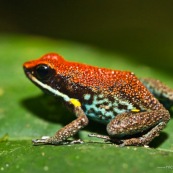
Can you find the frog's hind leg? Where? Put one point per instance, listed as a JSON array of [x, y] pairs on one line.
[[162, 92], [145, 125]]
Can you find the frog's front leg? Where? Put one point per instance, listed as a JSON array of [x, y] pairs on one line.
[[69, 130], [145, 125]]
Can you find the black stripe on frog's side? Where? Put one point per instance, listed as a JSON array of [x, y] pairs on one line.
[[75, 90], [122, 95]]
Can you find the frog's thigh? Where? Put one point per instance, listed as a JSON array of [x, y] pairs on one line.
[[132, 123]]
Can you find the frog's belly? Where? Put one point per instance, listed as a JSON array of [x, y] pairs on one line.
[[104, 110]]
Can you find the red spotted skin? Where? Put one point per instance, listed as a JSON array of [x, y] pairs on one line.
[[105, 95]]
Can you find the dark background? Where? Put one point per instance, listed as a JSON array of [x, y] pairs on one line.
[[140, 30]]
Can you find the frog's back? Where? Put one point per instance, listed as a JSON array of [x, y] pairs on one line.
[[105, 93]]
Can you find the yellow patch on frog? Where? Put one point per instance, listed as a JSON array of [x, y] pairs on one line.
[[135, 110], [75, 102]]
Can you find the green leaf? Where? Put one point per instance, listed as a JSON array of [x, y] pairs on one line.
[[26, 113]]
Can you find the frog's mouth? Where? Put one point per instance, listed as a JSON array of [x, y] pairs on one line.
[[43, 86]]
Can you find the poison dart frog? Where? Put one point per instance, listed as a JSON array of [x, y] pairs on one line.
[[132, 109]]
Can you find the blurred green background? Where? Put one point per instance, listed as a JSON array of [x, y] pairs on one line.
[[140, 30]]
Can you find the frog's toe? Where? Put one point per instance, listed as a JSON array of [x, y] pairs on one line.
[[43, 140], [77, 141]]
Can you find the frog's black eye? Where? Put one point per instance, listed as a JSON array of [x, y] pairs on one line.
[[43, 71]]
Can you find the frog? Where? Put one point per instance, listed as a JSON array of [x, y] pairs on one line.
[[134, 110]]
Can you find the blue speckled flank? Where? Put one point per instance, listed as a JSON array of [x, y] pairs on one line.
[[103, 110]]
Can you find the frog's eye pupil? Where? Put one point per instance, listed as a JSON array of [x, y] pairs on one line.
[[43, 71]]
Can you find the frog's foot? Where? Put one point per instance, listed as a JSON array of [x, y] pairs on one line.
[[43, 140], [46, 140], [143, 140]]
